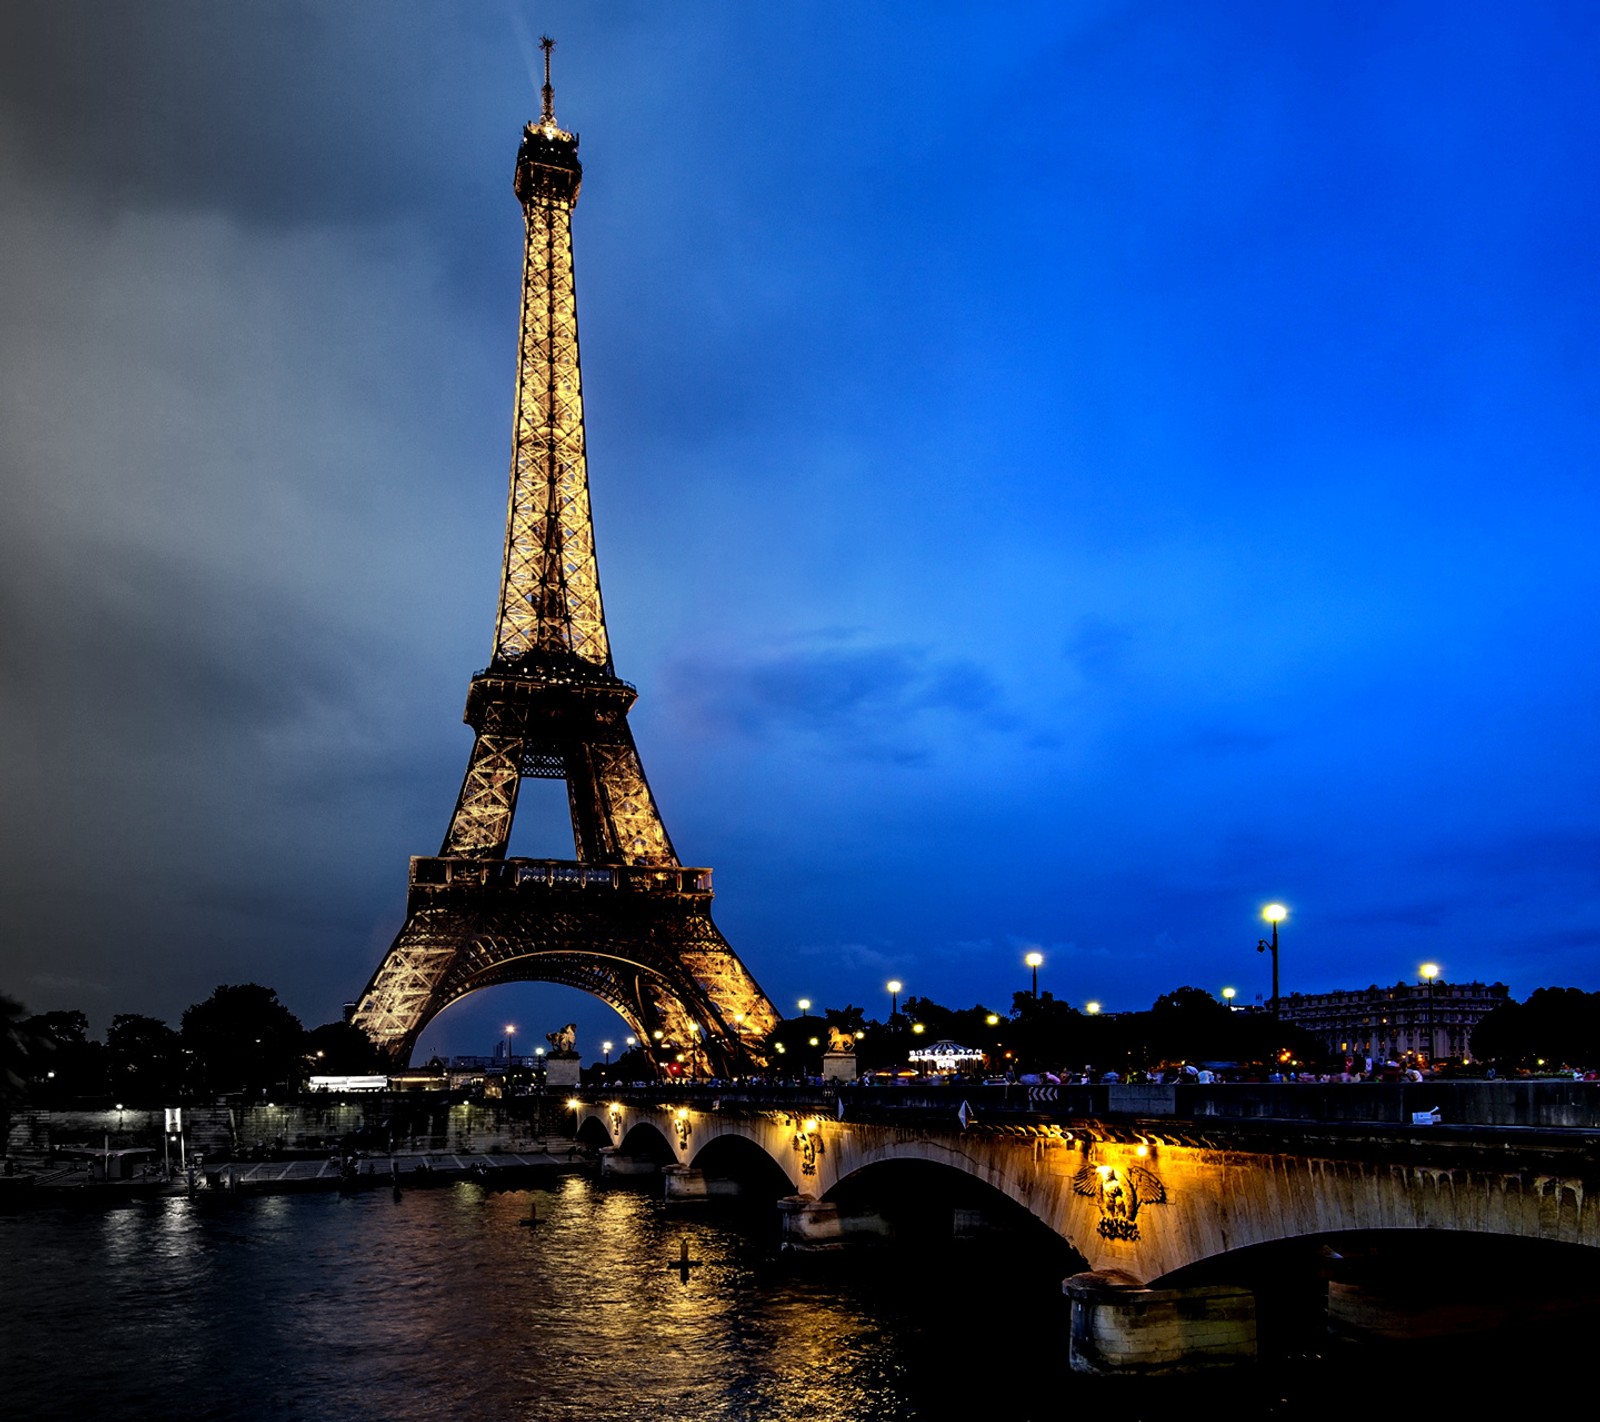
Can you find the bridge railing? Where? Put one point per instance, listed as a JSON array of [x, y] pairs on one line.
[[1544, 1104]]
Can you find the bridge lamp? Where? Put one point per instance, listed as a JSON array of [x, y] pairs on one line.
[[1429, 972], [606, 1048], [1033, 960], [993, 1019], [805, 1005], [894, 985], [1228, 994], [918, 1029], [1274, 914], [813, 1041]]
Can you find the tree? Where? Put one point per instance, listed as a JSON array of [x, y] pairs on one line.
[[242, 1038], [343, 1049], [70, 1064], [23, 1050], [144, 1059], [1555, 1027]]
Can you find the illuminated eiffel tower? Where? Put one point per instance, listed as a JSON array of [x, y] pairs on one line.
[[623, 920]]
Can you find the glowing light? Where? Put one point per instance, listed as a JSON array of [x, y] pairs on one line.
[[808, 1125], [993, 1019], [682, 1113], [918, 1028], [573, 1104], [894, 985], [1430, 971], [805, 1004], [1034, 960], [1274, 913], [1092, 1008]]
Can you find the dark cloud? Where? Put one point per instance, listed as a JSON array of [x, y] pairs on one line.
[[887, 703]]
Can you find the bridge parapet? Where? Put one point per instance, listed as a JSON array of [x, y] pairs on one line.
[[1549, 1105]]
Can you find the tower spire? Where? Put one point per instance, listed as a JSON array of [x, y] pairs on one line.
[[548, 117]]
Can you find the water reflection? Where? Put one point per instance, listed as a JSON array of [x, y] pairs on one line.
[[447, 1304]]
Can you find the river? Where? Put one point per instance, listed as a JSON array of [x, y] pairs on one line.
[[445, 1304]]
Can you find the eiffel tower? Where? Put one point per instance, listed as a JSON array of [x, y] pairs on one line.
[[624, 920]]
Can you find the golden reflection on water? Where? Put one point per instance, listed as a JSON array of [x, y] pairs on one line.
[[440, 1304]]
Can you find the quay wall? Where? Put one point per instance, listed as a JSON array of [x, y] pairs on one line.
[[379, 1122]]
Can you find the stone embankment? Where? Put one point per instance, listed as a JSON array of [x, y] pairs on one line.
[[318, 1142]]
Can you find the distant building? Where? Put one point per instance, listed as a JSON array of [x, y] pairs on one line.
[[1408, 1020]]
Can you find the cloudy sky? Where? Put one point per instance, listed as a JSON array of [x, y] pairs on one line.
[[1065, 475]]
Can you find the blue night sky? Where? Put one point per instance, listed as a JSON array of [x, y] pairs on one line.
[[1065, 475]]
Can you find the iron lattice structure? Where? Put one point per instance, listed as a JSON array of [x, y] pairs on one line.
[[624, 920]]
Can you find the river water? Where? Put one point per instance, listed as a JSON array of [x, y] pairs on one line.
[[444, 1304]]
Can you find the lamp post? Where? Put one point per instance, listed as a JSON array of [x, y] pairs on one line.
[[1429, 972], [894, 985], [1033, 960], [606, 1048], [1227, 998], [1274, 914], [510, 1032], [805, 1007]]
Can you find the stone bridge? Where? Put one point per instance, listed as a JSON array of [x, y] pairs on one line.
[[1146, 1183]]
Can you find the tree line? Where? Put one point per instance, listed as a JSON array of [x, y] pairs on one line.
[[243, 1039], [240, 1039]]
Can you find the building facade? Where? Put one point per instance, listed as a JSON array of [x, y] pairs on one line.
[[1409, 1022]]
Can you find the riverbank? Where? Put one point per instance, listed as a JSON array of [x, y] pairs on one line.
[[79, 1183]]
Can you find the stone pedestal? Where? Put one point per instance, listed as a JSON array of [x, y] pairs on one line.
[[614, 1164], [1119, 1326], [561, 1071], [808, 1224], [838, 1066], [682, 1182]]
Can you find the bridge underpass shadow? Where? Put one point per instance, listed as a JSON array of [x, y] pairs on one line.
[[1394, 1301]]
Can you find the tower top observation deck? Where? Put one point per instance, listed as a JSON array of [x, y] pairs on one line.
[[547, 162]]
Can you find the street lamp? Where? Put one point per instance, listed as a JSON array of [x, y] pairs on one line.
[[1274, 914], [1092, 1008], [606, 1048], [805, 1006], [894, 985], [1033, 960], [1227, 997], [510, 1032], [1429, 972]]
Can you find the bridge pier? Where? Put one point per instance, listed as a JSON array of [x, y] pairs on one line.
[[614, 1164], [810, 1224], [1121, 1326], [682, 1182]]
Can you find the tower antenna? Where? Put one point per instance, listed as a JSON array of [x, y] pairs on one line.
[[548, 117]]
